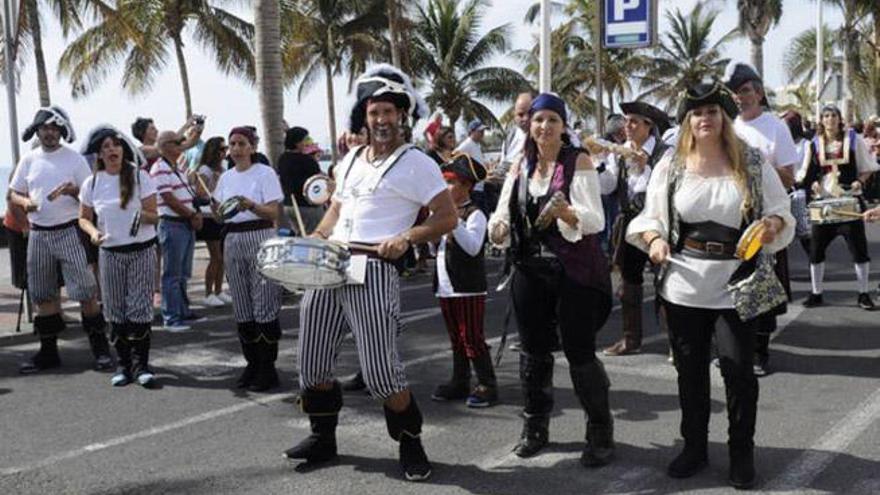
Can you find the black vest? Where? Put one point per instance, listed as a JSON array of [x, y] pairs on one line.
[[466, 273], [633, 207], [849, 172]]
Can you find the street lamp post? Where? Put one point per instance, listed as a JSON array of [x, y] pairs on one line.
[[820, 60], [544, 72]]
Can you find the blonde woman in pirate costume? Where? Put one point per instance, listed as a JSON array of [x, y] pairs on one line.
[[840, 164], [123, 197], [381, 187], [549, 214], [46, 184], [643, 125], [460, 286], [697, 204], [256, 302]]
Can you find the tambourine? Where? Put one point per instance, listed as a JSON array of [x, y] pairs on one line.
[[230, 207], [750, 242], [317, 189]]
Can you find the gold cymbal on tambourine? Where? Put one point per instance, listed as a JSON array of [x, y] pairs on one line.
[[750, 241]]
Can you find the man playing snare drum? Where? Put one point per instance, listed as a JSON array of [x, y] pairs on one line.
[[381, 188], [839, 166]]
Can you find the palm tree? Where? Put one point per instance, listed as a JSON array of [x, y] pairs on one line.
[[140, 33], [756, 17], [685, 56], [329, 38], [799, 60], [448, 51], [30, 34], [270, 82]]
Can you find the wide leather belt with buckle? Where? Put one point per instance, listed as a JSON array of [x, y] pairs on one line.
[[709, 249]]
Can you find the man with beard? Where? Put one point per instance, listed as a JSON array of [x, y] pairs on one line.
[[380, 189], [767, 132], [46, 185]]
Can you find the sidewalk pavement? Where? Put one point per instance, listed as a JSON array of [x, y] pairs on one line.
[[10, 296]]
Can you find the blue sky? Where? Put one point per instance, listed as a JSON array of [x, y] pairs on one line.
[[228, 102]]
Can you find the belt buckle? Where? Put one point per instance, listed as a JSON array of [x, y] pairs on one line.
[[713, 247]]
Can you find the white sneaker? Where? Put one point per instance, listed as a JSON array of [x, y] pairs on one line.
[[225, 297], [213, 301], [177, 327]]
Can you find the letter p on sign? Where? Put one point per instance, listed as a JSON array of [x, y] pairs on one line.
[[621, 6]]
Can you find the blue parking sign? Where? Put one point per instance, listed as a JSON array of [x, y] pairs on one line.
[[629, 23]]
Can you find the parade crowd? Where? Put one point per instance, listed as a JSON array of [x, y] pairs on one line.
[[703, 205]]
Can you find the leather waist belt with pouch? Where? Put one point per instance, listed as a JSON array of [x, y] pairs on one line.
[[709, 240]]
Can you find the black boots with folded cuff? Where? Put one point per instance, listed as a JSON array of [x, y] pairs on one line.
[[323, 407]]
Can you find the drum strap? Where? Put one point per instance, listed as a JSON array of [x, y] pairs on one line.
[[383, 168]]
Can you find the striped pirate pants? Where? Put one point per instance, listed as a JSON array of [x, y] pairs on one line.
[[464, 323], [46, 250], [127, 279], [371, 311], [253, 297]]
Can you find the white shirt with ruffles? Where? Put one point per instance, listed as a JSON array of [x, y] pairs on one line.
[[695, 282], [585, 201]]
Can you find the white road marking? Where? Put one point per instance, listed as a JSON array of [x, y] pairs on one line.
[[810, 464]]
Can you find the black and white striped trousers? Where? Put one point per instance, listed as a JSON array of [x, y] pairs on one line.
[[127, 280], [46, 250], [372, 313], [253, 297]]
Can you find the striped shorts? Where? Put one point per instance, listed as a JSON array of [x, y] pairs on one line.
[[47, 249], [127, 280], [372, 313], [253, 297]]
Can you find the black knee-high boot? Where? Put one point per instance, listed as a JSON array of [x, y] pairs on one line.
[[323, 407], [266, 376], [140, 346], [591, 386], [119, 336], [47, 329], [94, 327], [247, 336], [536, 379], [459, 385], [405, 427]]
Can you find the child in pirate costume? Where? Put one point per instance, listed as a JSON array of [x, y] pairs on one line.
[[46, 184], [123, 197], [460, 286], [380, 189], [840, 165]]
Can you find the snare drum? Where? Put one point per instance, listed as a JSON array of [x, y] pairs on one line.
[[229, 208], [834, 210], [303, 262], [317, 189], [800, 212]]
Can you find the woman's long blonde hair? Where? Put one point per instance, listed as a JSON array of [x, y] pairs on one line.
[[734, 148]]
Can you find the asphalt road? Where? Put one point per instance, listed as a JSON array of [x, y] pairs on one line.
[[71, 432]]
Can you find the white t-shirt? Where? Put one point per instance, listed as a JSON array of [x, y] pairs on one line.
[[113, 221], [166, 180], [259, 184], [771, 136], [39, 173], [391, 208], [475, 151]]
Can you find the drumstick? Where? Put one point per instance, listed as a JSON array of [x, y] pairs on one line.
[[299, 220], [844, 213], [363, 247]]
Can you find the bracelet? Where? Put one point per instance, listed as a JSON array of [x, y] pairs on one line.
[[658, 236]]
